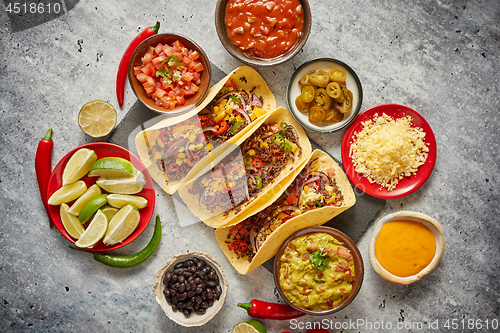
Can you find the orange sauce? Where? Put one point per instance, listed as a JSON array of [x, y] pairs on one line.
[[404, 248]]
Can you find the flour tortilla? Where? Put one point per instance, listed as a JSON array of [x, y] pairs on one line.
[[310, 218], [246, 208], [247, 79]]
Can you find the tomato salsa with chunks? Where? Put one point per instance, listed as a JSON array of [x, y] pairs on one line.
[[264, 29], [170, 73]]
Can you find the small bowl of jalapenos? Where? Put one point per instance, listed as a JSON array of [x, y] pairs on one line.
[[324, 95]]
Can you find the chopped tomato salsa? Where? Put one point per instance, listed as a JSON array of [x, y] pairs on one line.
[[170, 74]]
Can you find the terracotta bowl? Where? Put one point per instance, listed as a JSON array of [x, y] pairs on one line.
[[358, 267], [192, 101], [194, 319], [427, 221], [261, 62]]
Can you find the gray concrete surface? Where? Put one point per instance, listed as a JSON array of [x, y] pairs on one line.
[[438, 57]]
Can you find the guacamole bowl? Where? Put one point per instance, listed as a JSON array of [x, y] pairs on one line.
[[318, 270]]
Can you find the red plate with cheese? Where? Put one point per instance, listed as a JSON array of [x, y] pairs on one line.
[[406, 185]]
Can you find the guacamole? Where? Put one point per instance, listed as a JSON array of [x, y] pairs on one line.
[[316, 271]]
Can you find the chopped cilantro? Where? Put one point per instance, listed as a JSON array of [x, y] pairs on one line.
[[172, 60], [177, 76], [235, 99], [319, 280], [320, 260]]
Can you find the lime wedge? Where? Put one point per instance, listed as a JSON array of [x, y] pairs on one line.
[[123, 185], [90, 194], [70, 222], [95, 231], [78, 165], [91, 207], [112, 167], [109, 211], [120, 200], [249, 326], [67, 193], [97, 118], [122, 225]]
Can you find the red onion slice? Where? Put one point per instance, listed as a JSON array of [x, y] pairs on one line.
[[255, 100], [175, 145], [244, 114]]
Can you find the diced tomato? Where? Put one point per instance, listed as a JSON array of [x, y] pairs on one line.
[[169, 50], [233, 231], [181, 100], [157, 61], [149, 69], [291, 199], [188, 76], [230, 246], [194, 55], [142, 77], [344, 253], [150, 88], [286, 219], [159, 93], [146, 59], [186, 60], [198, 67], [178, 44], [158, 48], [137, 70]]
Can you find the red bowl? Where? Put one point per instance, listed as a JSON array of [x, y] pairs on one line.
[[103, 149]]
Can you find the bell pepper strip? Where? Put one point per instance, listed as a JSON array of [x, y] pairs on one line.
[[235, 129], [257, 162], [130, 260], [267, 310], [43, 166], [240, 246], [193, 159], [221, 127], [121, 76]]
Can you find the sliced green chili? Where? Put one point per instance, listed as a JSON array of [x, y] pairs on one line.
[[259, 182], [247, 160], [286, 147], [235, 129]]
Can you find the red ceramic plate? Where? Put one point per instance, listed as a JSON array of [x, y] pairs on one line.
[[408, 184], [104, 149]]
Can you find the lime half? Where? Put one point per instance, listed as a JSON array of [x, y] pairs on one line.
[[249, 326], [112, 167], [91, 207], [97, 118], [78, 165], [95, 231], [67, 193], [122, 225]]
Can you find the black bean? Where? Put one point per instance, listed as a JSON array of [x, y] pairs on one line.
[[210, 293], [173, 279], [188, 263], [186, 274], [197, 280], [192, 269], [212, 275], [179, 271], [173, 292], [196, 260], [217, 297], [218, 290], [188, 286], [166, 292], [193, 285], [182, 288], [211, 284], [176, 286], [199, 299], [199, 290], [181, 279], [196, 306], [202, 285], [203, 305], [179, 265], [204, 295], [210, 302], [174, 307], [186, 313], [191, 293], [216, 278], [180, 305], [201, 264], [174, 299], [182, 296], [206, 270], [189, 305], [200, 274], [168, 276], [169, 301], [201, 311]]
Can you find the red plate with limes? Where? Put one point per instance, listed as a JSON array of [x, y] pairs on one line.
[[408, 184], [104, 149]]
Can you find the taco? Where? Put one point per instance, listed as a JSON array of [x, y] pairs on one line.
[[174, 146], [251, 168], [316, 194]]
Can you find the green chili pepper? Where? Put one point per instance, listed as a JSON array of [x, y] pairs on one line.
[[283, 124], [277, 138], [247, 160], [134, 259], [235, 128], [259, 182], [236, 99], [286, 147], [223, 91]]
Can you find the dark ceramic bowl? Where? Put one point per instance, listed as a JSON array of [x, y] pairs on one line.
[[352, 83], [192, 101], [261, 62], [358, 268]]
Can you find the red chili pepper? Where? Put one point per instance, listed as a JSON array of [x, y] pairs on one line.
[[286, 219], [173, 167], [204, 120], [257, 162], [43, 166], [164, 135], [221, 127], [240, 245], [193, 159], [121, 76], [266, 310]]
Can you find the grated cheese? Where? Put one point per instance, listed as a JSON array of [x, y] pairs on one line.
[[387, 150]]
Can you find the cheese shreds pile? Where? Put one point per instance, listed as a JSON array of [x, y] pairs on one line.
[[386, 150]]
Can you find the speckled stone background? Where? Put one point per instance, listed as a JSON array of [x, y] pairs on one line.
[[440, 58]]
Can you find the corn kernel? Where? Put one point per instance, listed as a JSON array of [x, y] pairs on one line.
[[251, 152], [209, 147], [264, 145], [222, 103], [216, 109], [253, 116], [306, 189], [191, 147], [229, 109], [157, 155], [178, 162], [160, 143], [181, 149], [192, 136], [181, 155], [219, 117], [239, 118], [199, 146]]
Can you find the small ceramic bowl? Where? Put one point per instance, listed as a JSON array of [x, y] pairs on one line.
[[194, 319], [352, 83], [261, 62], [427, 221], [169, 38], [358, 267]]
